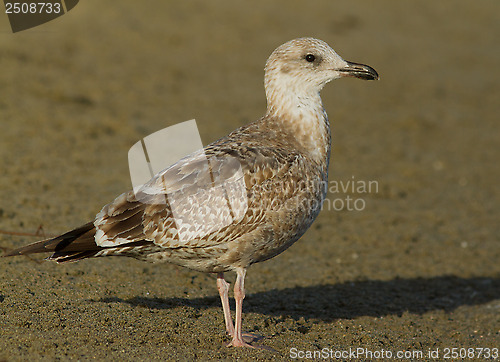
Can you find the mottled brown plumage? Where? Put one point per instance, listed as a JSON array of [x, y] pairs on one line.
[[243, 199]]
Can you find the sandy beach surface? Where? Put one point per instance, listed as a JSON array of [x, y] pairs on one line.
[[415, 268]]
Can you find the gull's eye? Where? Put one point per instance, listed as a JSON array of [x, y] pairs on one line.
[[310, 58]]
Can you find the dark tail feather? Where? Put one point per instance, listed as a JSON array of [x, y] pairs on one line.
[[74, 245], [78, 244], [63, 257]]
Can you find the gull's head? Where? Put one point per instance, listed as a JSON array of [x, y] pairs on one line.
[[303, 66]]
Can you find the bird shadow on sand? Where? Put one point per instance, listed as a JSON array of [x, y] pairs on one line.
[[349, 300]]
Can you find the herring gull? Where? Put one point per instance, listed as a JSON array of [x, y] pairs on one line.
[[261, 189]]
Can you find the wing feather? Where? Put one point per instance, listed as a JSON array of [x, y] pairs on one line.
[[212, 196]]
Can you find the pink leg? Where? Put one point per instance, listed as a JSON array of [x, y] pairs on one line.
[[239, 295], [223, 288]]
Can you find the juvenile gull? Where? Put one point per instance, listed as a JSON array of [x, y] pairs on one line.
[[282, 160]]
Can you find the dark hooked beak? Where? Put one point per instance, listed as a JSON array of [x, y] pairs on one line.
[[357, 70]]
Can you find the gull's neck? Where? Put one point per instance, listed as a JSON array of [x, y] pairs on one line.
[[301, 114]]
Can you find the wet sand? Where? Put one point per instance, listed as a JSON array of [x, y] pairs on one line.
[[415, 270]]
